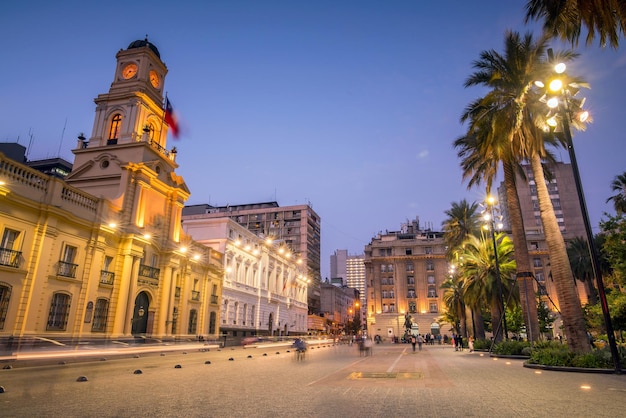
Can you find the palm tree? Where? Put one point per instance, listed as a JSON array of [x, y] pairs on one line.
[[619, 200], [463, 220], [565, 18], [580, 260], [455, 306], [482, 275], [509, 109], [492, 137]]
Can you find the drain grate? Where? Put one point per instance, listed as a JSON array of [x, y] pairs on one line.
[[392, 375]]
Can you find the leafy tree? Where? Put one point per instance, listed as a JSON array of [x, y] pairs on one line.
[[580, 260], [619, 200], [565, 18], [614, 246]]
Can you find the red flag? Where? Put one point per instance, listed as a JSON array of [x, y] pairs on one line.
[[170, 118]]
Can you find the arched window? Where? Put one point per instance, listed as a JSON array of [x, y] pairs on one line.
[[100, 315], [114, 131], [59, 312]]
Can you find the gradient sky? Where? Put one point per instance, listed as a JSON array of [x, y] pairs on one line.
[[351, 106]]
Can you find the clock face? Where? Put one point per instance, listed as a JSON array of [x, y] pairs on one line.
[[154, 79], [129, 71]]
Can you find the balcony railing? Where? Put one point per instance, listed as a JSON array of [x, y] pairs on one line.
[[107, 277], [214, 299], [148, 271], [10, 258], [195, 295], [177, 292], [66, 269]]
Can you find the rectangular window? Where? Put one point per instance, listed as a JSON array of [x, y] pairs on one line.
[[59, 312], [428, 250], [412, 307], [100, 315], [66, 267], [410, 280], [8, 246], [537, 262], [409, 266], [408, 251], [433, 307], [430, 266], [9, 239]]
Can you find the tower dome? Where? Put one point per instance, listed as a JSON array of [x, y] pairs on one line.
[[143, 43]]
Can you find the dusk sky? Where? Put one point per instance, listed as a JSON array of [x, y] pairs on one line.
[[351, 106]]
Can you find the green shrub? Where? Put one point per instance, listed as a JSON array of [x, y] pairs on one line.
[[526, 351], [510, 348], [552, 356], [482, 345], [595, 359]]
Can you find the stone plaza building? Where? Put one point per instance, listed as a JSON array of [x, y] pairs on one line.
[[404, 273], [101, 255]]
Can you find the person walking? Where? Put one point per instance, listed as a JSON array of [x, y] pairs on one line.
[[413, 341], [470, 343], [420, 341]]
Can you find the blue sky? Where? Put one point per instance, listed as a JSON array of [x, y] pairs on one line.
[[351, 106]]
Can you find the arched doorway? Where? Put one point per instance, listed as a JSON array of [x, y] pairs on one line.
[[140, 314]]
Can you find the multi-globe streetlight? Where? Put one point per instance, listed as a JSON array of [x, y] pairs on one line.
[[559, 97]]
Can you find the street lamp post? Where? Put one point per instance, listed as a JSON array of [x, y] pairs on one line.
[[490, 217], [561, 103]]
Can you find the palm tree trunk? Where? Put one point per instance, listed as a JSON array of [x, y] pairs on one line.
[[524, 274], [479, 324], [571, 311], [496, 323]]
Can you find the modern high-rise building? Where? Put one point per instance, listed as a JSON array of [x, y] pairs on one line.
[[564, 197], [351, 269], [102, 254], [297, 227], [404, 272]]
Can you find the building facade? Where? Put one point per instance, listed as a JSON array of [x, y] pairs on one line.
[[102, 254], [298, 227], [340, 305], [351, 269], [265, 286], [404, 271], [564, 197]]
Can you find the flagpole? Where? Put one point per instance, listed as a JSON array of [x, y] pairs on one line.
[[163, 117]]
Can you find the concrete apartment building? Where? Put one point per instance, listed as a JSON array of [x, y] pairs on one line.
[[404, 272], [265, 286], [564, 197], [101, 255], [351, 269], [297, 227]]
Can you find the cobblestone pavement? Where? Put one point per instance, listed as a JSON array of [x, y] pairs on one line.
[[332, 381]]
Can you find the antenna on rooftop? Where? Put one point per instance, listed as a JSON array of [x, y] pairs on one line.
[[31, 139], [62, 135]]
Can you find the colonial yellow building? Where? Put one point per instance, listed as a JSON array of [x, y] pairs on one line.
[[101, 254]]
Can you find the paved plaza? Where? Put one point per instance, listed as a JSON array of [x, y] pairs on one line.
[[332, 381]]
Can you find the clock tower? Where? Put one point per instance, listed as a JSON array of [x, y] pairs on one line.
[[125, 159]]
